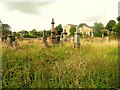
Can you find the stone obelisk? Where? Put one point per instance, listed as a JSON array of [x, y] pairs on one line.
[[52, 32]]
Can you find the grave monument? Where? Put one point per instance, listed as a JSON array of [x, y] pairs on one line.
[[77, 38], [45, 39], [64, 35], [52, 32]]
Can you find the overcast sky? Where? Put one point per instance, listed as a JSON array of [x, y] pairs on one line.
[[37, 14]]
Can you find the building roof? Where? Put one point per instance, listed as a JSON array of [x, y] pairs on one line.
[[80, 25], [84, 24]]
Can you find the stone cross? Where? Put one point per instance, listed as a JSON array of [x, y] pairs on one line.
[[77, 38], [65, 35]]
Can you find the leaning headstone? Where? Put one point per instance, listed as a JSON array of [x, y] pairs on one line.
[[77, 38], [61, 40], [45, 39]]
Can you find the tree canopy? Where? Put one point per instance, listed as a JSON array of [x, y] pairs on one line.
[[98, 29], [58, 29], [5, 29], [110, 25], [72, 30], [116, 29]]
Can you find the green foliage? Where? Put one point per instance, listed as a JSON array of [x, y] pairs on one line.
[[110, 25], [5, 29], [48, 33], [23, 32], [98, 28], [40, 33], [116, 29], [72, 30], [34, 32], [31, 34], [58, 29]]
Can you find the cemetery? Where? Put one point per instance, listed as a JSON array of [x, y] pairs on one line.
[[59, 61]]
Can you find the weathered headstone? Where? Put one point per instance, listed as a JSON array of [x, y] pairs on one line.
[[10, 39], [45, 39], [77, 38]]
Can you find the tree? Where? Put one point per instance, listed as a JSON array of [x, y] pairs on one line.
[[5, 30], [34, 32], [58, 29], [48, 33], [40, 33], [110, 25], [116, 29], [72, 30], [15, 34], [24, 33], [98, 29]]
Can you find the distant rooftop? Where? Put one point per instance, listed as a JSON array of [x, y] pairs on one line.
[[81, 25]]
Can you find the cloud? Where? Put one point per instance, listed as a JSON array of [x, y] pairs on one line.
[[27, 0], [26, 7]]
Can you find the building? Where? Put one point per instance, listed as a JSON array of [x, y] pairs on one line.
[[84, 29]]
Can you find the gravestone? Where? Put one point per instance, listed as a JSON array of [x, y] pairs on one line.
[[10, 39], [77, 38], [45, 39], [61, 40]]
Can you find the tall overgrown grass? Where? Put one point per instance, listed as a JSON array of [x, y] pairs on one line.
[[94, 65]]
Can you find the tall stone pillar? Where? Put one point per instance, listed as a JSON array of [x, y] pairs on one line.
[[52, 32]]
